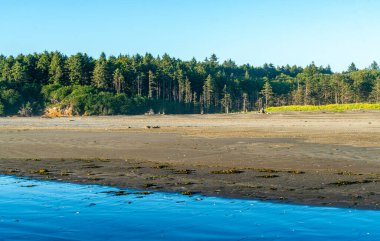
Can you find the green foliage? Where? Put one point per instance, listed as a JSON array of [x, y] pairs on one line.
[[332, 107], [80, 98], [102, 75], [14, 95], [79, 69], [42, 67], [352, 68], [90, 101], [267, 93], [135, 84], [118, 81], [56, 69], [10, 96], [26, 110], [55, 93], [226, 100], [18, 72], [11, 99], [1, 109]]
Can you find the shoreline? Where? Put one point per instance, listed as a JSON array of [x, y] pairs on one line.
[[142, 192], [281, 186], [325, 159]]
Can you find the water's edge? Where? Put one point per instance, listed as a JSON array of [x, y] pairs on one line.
[[48, 210], [226, 197]]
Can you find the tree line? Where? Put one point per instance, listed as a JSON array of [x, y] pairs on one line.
[[136, 84]]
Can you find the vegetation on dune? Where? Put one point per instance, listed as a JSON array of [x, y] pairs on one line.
[[57, 84], [331, 107]]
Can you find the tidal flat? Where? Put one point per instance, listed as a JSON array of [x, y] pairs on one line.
[[327, 159]]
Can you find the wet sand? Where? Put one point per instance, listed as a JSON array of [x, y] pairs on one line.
[[330, 159]]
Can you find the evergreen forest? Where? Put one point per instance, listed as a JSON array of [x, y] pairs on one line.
[[31, 84]]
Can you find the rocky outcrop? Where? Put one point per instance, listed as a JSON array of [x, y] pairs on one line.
[[58, 111]]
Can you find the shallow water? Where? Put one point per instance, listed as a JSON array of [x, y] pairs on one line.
[[40, 210]]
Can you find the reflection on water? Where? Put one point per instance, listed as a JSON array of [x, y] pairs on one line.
[[35, 210]]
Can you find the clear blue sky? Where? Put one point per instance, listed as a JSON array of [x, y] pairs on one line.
[[248, 31]]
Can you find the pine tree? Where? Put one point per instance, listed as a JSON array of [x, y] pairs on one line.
[[307, 93], [298, 95], [101, 75], [29, 63], [139, 83], [345, 92], [118, 81], [245, 102], [79, 69], [267, 93], [18, 72], [226, 100], [181, 86], [374, 66], [352, 68], [208, 91], [188, 93], [42, 68], [152, 85], [375, 93], [247, 77], [56, 69], [6, 72], [202, 104]]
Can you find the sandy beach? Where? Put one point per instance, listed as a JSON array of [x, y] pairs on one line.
[[330, 159]]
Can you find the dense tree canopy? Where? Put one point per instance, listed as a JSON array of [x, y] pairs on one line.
[[134, 84]]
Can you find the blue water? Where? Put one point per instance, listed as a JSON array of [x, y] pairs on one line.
[[61, 211]]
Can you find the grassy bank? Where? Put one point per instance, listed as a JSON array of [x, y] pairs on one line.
[[332, 107]]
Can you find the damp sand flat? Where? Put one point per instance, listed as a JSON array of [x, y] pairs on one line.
[[316, 158]]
